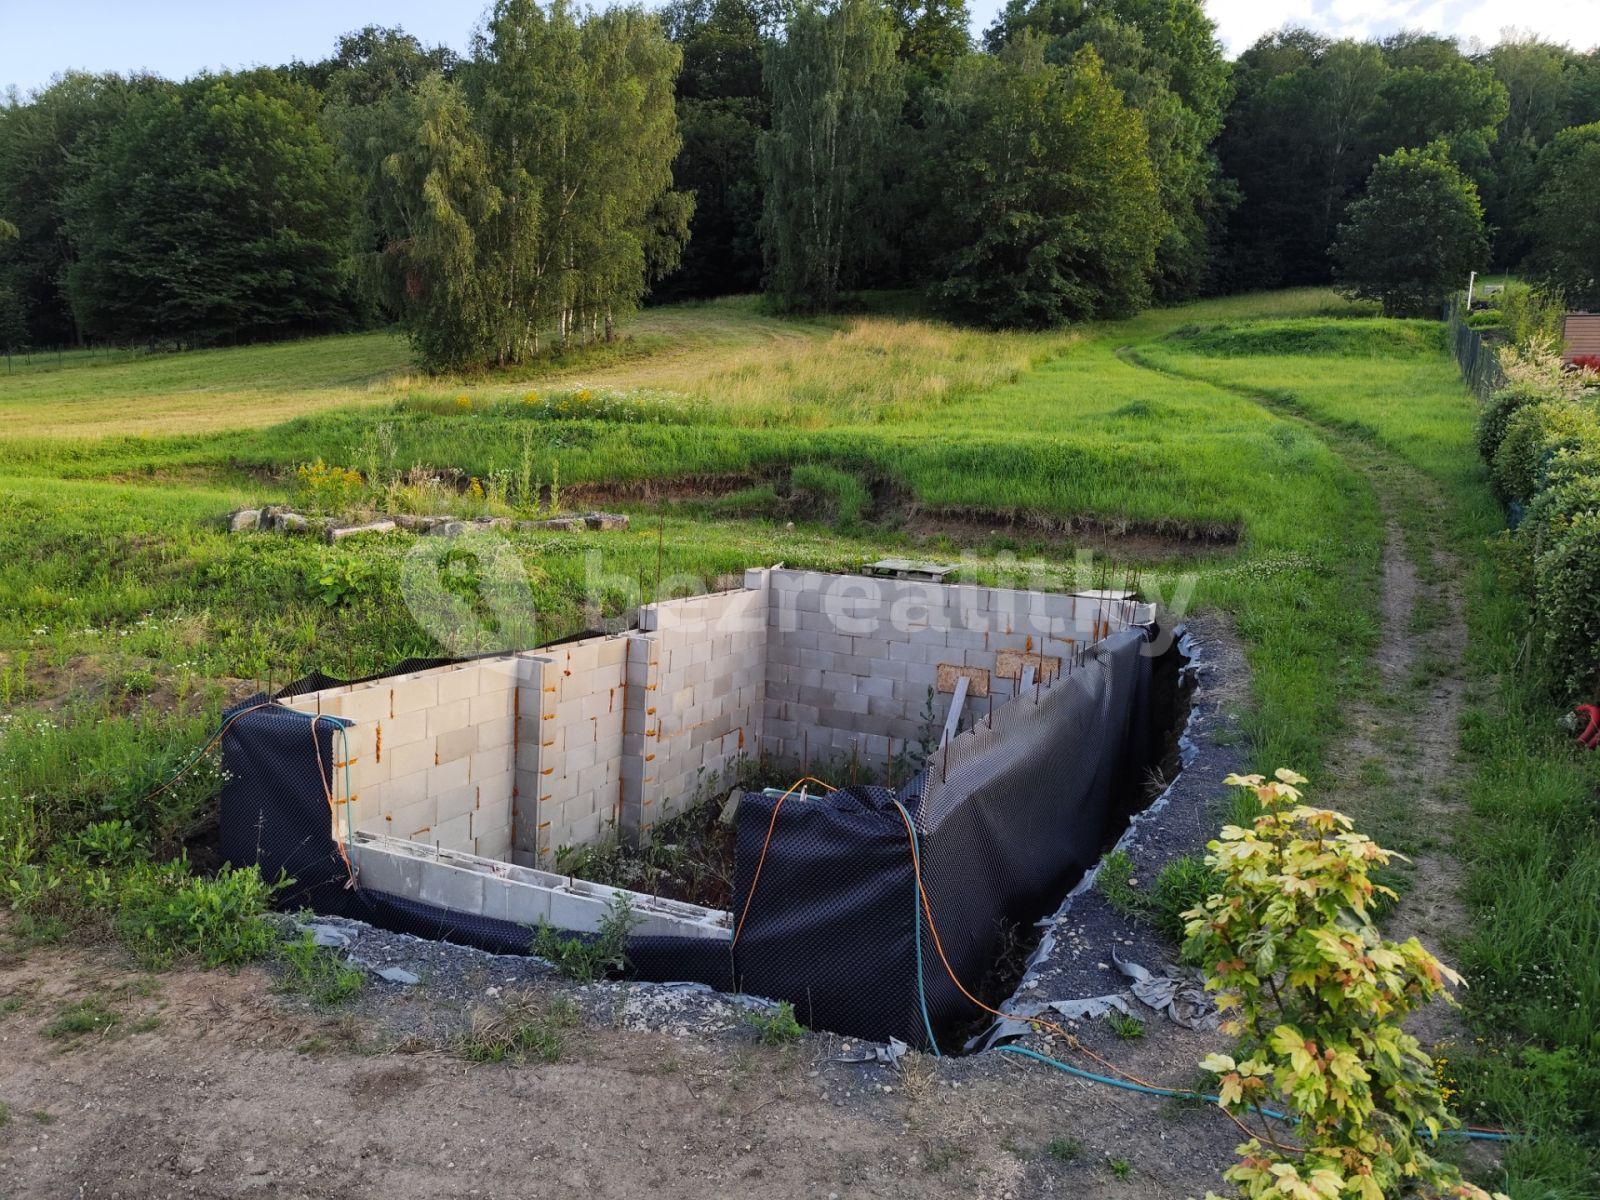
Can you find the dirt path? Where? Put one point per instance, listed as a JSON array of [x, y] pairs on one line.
[[1397, 768]]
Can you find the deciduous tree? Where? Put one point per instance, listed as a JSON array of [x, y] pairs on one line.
[[722, 110], [1415, 236], [1565, 222], [1164, 57], [213, 212], [837, 93], [1052, 212], [531, 201], [48, 144]]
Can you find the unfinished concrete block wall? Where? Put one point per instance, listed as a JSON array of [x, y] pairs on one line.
[[428, 757], [516, 756], [851, 660], [570, 760], [697, 687]]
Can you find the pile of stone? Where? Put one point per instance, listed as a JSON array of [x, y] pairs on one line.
[[275, 518]]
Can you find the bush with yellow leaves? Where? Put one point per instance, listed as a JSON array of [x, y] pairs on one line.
[[1317, 995]]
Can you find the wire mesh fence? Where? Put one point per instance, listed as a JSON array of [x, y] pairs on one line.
[[1478, 359]]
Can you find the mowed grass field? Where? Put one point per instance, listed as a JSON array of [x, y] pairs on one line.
[[1202, 443]]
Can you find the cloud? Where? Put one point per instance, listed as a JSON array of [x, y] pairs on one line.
[[1241, 22]]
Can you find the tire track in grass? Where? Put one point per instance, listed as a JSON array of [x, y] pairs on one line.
[[1397, 769]]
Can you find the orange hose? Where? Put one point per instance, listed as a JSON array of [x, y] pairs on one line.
[[927, 909], [767, 842], [1036, 1021]]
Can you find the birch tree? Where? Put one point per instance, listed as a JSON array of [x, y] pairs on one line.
[[530, 204], [837, 95]]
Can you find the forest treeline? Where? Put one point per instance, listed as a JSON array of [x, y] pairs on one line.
[[1083, 158]]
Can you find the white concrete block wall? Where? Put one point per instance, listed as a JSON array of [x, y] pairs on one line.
[[851, 659], [699, 685], [522, 895], [431, 755], [514, 757], [572, 745]]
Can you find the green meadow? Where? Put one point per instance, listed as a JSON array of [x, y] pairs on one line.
[[1225, 449]]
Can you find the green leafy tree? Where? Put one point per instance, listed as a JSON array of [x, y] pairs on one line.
[[1457, 102], [13, 327], [1564, 225], [1164, 57], [933, 39], [1415, 235], [375, 62], [722, 110], [213, 212], [48, 145], [530, 200], [437, 204], [1298, 143], [837, 94], [1318, 998], [1537, 77], [1052, 212]]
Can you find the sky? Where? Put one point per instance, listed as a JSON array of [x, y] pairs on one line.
[[176, 38]]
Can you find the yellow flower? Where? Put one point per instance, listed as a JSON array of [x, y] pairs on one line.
[[463, 401]]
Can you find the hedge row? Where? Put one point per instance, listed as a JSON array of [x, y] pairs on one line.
[[1541, 438]]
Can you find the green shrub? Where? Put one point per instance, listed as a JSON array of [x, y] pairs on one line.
[[777, 1026], [1501, 407], [1529, 314], [1535, 434], [1318, 998], [1572, 488], [587, 959], [1567, 591]]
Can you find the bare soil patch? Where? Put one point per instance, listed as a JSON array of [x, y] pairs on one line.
[[232, 1090]]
